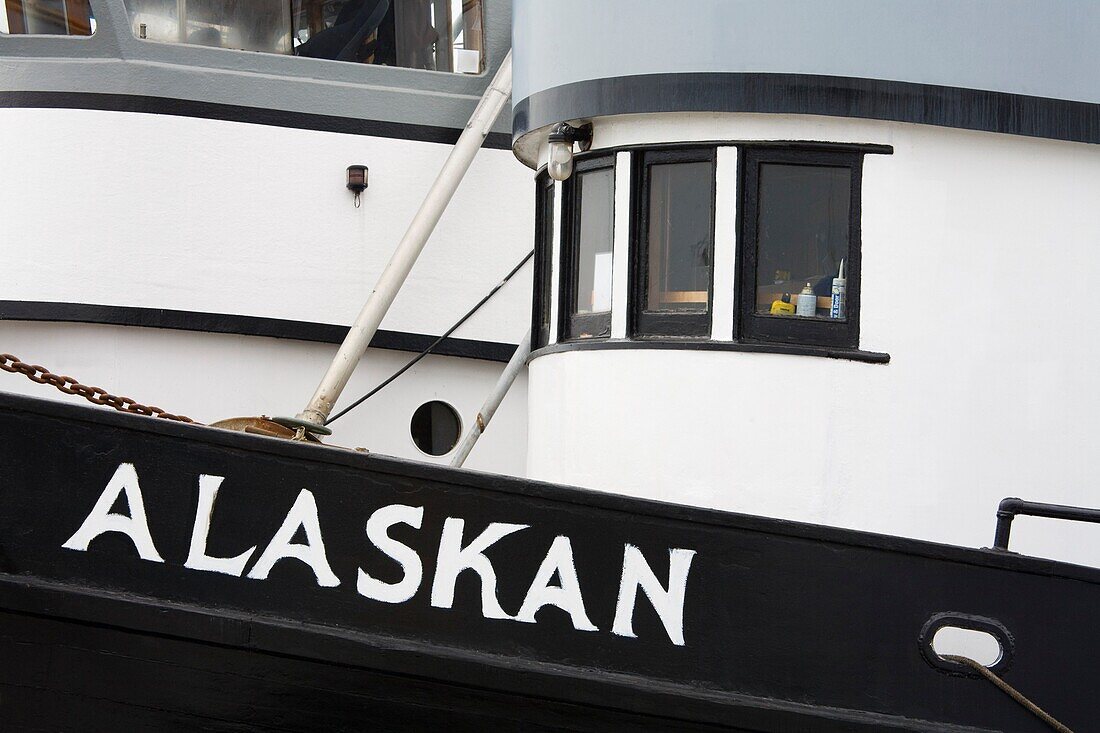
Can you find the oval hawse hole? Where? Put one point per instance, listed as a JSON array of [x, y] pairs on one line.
[[982, 647]]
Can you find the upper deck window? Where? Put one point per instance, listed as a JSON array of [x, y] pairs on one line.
[[673, 242], [47, 17], [800, 268], [587, 236], [438, 35]]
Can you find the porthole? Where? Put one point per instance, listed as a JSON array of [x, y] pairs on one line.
[[435, 428]]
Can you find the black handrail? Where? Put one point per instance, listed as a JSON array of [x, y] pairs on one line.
[[1009, 508]]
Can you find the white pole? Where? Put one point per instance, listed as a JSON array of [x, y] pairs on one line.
[[511, 371], [421, 227]]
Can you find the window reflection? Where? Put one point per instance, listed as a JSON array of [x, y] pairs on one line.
[[440, 35], [47, 17], [253, 25], [802, 238], [679, 237], [594, 232]]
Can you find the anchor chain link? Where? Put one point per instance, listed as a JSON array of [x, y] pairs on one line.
[[95, 395]]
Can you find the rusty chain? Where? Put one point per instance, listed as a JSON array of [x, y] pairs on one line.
[[95, 395]]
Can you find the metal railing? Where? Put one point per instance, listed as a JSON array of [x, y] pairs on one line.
[[1012, 507]]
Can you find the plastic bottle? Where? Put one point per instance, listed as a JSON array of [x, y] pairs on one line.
[[807, 302], [840, 283]]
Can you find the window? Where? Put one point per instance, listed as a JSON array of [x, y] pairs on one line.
[[47, 17], [800, 246], [544, 253], [440, 35], [588, 214], [673, 242], [435, 428]]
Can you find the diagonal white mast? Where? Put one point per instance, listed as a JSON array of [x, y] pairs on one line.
[[404, 257]]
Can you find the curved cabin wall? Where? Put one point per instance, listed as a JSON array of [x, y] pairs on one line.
[[978, 262], [1025, 67]]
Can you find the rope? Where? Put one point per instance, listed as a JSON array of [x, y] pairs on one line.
[[1010, 691], [435, 343]]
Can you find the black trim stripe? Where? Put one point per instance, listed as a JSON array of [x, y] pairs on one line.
[[836, 96], [828, 352], [117, 315], [237, 113]]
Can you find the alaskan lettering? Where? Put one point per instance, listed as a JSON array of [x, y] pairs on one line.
[[555, 583], [567, 596], [101, 520], [302, 515], [197, 559], [454, 558], [669, 603], [406, 557]]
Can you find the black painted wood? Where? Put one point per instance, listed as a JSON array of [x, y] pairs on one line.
[[117, 315], [542, 278], [929, 104], [828, 352], [60, 675], [787, 626]]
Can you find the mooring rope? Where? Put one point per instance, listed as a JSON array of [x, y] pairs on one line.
[[1010, 691]]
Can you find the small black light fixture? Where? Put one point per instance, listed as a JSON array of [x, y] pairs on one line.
[[559, 158], [357, 181]]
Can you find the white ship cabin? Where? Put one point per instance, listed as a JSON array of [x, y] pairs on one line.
[[827, 262], [818, 261], [178, 226]]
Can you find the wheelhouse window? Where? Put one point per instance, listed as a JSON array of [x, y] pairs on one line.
[[588, 231], [47, 18], [673, 242], [544, 251], [438, 35], [800, 246]]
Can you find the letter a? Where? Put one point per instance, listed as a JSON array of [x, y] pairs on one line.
[[135, 526], [303, 514], [567, 597], [668, 604]]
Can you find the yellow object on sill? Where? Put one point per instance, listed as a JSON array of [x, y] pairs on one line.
[[779, 308]]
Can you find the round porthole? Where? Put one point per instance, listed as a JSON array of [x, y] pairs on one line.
[[435, 428]]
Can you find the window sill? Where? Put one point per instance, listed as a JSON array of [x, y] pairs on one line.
[[828, 352]]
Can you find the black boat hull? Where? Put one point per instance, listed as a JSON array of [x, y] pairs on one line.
[[137, 618]]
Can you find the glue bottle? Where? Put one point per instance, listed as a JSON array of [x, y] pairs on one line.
[[807, 302], [839, 288]]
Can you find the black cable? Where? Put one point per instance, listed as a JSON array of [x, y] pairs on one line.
[[435, 343]]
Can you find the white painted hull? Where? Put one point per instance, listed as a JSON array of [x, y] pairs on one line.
[[216, 217]]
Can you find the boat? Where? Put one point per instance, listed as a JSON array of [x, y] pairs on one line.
[[753, 467]]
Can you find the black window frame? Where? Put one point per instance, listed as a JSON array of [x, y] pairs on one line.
[[570, 323], [750, 327], [541, 323], [657, 324]]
